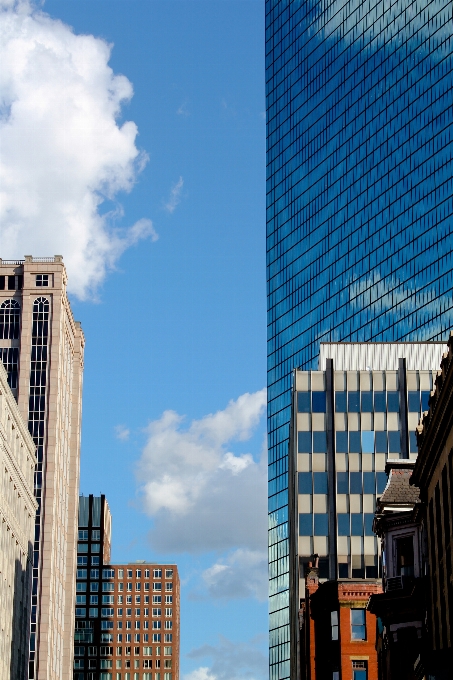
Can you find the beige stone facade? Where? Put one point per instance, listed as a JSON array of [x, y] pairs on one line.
[[17, 524], [47, 382]]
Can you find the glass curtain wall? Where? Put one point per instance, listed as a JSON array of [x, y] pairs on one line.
[[359, 203]]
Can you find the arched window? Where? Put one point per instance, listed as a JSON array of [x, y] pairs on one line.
[[9, 320], [38, 373]]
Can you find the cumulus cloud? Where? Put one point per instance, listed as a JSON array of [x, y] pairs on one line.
[[231, 661], [122, 432], [65, 155], [201, 495], [241, 575], [175, 196]]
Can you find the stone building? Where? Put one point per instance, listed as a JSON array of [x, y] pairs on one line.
[[401, 632], [17, 525], [433, 474], [42, 347]]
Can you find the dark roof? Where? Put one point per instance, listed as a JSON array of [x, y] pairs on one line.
[[398, 490]]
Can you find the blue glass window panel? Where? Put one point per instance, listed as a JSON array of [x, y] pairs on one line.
[[305, 482], [356, 482], [413, 442], [356, 524], [342, 442], [394, 442], [318, 402], [340, 402], [367, 402], [304, 442], [320, 482], [367, 441], [381, 481], [319, 442], [369, 517], [369, 482], [354, 402], [303, 402], [379, 402], [413, 402], [393, 402], [425, 400], [342, 482], [343, 524], [305, 524], [381, 442], [354, 442], [321, 524]]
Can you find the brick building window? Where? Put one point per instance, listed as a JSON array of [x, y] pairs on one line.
[[359, 670], [358, 628]]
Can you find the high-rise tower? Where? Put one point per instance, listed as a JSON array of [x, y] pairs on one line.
[[42, 350], [359, 203]]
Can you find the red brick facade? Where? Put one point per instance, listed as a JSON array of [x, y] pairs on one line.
[[325, 649]]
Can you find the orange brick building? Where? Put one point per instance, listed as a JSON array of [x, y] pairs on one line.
[[338, 634]]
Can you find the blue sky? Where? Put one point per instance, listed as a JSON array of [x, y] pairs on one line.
[[173, 308]]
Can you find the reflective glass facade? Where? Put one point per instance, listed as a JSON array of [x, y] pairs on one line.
[[359, 203]]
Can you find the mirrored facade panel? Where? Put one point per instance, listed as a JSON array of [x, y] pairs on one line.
[[359, 190]]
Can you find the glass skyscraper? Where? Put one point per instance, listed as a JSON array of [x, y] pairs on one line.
[[359, 204]]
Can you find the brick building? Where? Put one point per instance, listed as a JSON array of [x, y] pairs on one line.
[[126, 615], [338, 633]]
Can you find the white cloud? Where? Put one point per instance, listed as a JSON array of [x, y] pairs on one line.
[[63, 150], [242, 574], [231, 661], [200, 495], [175, 196], [122, 432], [183, 110]]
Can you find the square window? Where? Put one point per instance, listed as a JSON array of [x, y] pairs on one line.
[[305, 482], [321, 524], [342, 442], [343, 570], [354, 442], [356, 482], [320, 482], [367, 402], [342, 482], [425, 401], [318, 402], [356, 524], [393, 402], [340, 402], [303, 402], [369, 482], [96, 535], [394, 442], [381, 442], [354, 402], [304, 442], [358, 628], [413, 402], [369, 517], [305, 524], [42, 279], [379, 402], [319, 442], [367, 441], [343, 524]]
